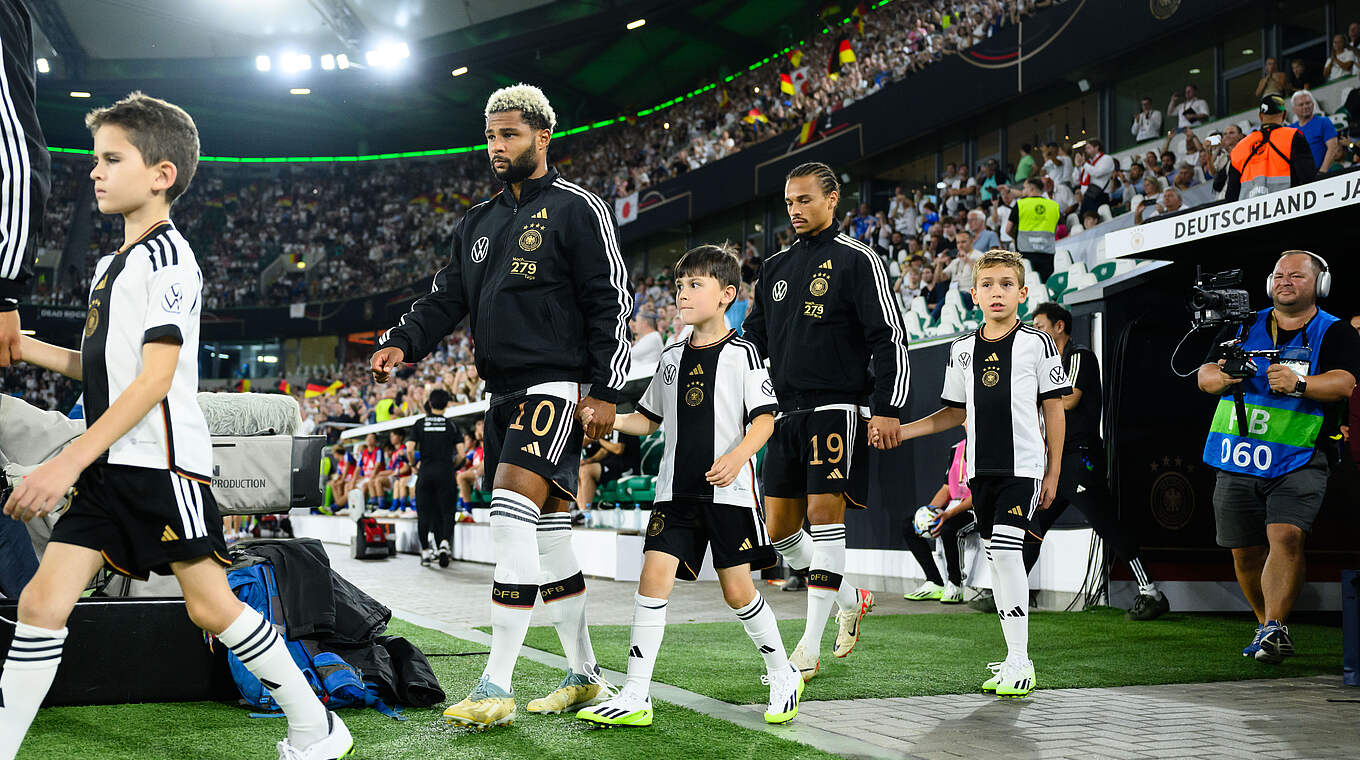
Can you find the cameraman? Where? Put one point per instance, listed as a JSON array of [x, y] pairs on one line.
[[1271, 480]]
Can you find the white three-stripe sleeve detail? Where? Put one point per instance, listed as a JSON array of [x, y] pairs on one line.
[[618, 363], [890, 315]]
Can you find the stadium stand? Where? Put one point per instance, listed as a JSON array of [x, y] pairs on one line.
[[322, 235]]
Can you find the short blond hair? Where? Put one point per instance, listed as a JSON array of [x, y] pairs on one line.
[[530, 101], [998, 257]]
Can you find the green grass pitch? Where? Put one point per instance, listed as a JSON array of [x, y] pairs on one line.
[[213, 731], [914, 655]]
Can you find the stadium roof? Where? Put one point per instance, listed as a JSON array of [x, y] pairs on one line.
[[204, 55]]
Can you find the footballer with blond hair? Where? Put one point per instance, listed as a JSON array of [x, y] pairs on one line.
[[538, 274]]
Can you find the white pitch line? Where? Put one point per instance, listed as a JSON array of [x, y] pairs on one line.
[[827, 741]]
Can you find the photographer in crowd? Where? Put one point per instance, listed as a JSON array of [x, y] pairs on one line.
[[1269, 440]]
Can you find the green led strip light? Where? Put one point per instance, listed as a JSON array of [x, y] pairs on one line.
[[470, 148]]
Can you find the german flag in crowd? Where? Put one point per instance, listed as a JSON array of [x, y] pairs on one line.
[[284, 200], [320, 388], [805, 134], [754, 115], [845, 53], [564, 161], [796, 58], [723, 100], [786, 84], [284, 386], [243, 385], [858, 15]]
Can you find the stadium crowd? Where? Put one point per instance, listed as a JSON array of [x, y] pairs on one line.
[[316, 232], [356, 225], [45, 390]]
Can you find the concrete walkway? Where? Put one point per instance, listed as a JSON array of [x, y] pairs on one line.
[[1283, 718]]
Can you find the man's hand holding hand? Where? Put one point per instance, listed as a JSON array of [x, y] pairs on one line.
[[384, 360], [597, 416], [9, 338], [885, 432]]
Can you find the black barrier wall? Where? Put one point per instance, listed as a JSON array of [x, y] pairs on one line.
[[909, 475]]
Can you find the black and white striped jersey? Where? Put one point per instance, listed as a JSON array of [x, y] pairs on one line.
[[150, 292], [704, 397], [1000, 383], [25, 164]]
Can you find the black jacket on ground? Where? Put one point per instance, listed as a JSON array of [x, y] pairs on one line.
[[329, 614], [317, 602], [543, 284], [822, 309]]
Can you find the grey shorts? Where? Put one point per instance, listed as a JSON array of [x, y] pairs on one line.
[[1245, 504]]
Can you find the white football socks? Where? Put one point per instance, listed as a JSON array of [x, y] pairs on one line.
[[796, 550], [29, 668], [649, 626], [824, 582], [1145, 584], [563, 589], [758, 620], [262, 650], [514, 588], [1010, 588]]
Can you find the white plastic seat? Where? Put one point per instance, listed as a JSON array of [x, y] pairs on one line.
[[1034, 283]]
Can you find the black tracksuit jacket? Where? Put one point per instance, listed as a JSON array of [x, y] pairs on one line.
[[26, 166], [823, 308], [543, 284]]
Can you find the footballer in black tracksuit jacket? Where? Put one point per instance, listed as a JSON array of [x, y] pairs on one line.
[[543, 284], [27, 168], [823, 309]]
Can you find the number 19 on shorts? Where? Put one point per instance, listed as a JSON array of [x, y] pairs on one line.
[[835, 449]]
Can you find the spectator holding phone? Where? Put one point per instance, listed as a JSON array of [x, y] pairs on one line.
[[1147, 123], [1145, 206], [1341, 62], [1272, 80], [1188, 111], [1097, 176], [1220, 154]]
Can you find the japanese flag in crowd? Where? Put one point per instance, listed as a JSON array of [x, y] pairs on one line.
[[800, 79], [626, 208]]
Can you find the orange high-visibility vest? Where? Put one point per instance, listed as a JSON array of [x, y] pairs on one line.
[[1262, 158]]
